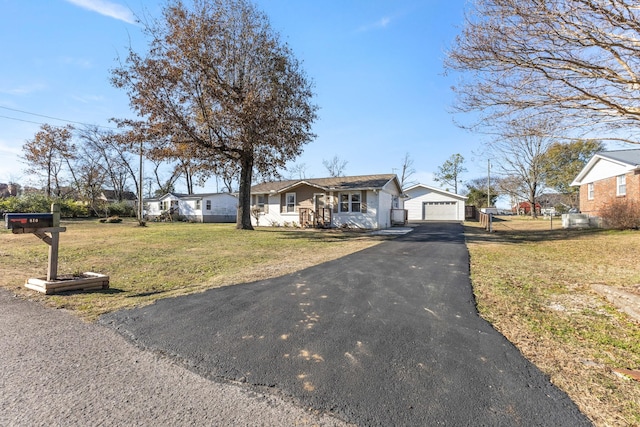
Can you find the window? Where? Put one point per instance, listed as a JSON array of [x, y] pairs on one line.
[[590, 191], [621, 187], [291, 202], [198, 204], [350, 202], [396, 202], [208, 205], [164, 205], [260, 201]]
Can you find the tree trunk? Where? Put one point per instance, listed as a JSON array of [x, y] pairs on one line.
[[243, 220]]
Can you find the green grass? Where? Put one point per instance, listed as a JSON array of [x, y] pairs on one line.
[[534, 285], [166, 259]]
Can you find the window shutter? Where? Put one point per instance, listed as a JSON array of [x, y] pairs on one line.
[[363, 202], [336, 200], [266, 203], [283, 203]]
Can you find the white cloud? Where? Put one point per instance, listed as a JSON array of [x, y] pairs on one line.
[[80, 62], [107, 8], [378, 25]]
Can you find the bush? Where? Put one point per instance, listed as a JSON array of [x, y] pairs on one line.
[[120, 209], [622, 214], [39, 203]]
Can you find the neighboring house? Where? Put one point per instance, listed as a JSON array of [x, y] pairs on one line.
[[426, 203], [609, 176], [368, 202], [524, 208], [110, 196], [210, 207]]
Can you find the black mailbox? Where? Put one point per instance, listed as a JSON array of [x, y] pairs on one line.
[[28, 220]]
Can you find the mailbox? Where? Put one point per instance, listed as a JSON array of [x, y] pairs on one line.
[[15, 221]]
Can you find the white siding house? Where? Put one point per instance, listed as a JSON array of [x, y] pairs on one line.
[[425, 203], [210, 207], [368, 202]]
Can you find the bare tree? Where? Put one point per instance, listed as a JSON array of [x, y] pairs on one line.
[[163, 185], [46, 154], [115, 154], [520, 158], [91, 175], [449, 172], [407, 171], [217, 76], [575, 59], [335, 166], [298, 171]]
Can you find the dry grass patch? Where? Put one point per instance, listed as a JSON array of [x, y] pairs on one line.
[[166, 259], [535, 285]]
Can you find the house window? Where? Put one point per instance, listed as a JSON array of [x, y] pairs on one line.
[[396, 202], [621, 187], [164, 205], [198, 204], [590, 191], [350, 202], [208, 205], [261, 201], [291, 202]]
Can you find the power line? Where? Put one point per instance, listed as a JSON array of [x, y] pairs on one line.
[[21, 120], [47, 117]]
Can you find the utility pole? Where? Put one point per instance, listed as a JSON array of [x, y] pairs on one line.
[[488, 183], [140, 189]]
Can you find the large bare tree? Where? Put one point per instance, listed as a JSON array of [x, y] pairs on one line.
[[216, 75], [575, 59], [519, 158]]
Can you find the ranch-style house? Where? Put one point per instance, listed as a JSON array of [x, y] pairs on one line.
[[364, 202], [607, 177], [209, 207]]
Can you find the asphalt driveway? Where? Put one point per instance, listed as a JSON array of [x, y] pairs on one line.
[[386, 336]]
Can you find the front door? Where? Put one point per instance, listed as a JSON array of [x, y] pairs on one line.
[[322, 217]]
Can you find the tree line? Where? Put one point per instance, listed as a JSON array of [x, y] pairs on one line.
[[81, 163]]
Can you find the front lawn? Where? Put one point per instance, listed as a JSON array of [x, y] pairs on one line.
[[536, 286], [166, 259]]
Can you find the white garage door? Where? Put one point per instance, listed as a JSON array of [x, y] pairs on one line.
[[439, 211]]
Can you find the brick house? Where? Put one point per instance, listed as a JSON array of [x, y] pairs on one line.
[[607, 177]]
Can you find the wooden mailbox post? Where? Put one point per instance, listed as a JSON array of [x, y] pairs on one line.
[[40, 224]]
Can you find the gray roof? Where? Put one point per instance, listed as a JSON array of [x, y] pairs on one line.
[[364, 182], [631, 157], [183, 196]]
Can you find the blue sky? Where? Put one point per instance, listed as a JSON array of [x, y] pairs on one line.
[[376, 65]]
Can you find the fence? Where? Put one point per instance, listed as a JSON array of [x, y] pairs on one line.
[[486, 220]]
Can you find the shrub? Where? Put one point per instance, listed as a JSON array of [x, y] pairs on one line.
[[622, 214], [120, 209], [110, 220], [39, 203]]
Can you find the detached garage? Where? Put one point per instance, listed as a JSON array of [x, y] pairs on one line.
[[426, 203]]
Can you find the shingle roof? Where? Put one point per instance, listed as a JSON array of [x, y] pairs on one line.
[[328, 184], [631, 157]]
